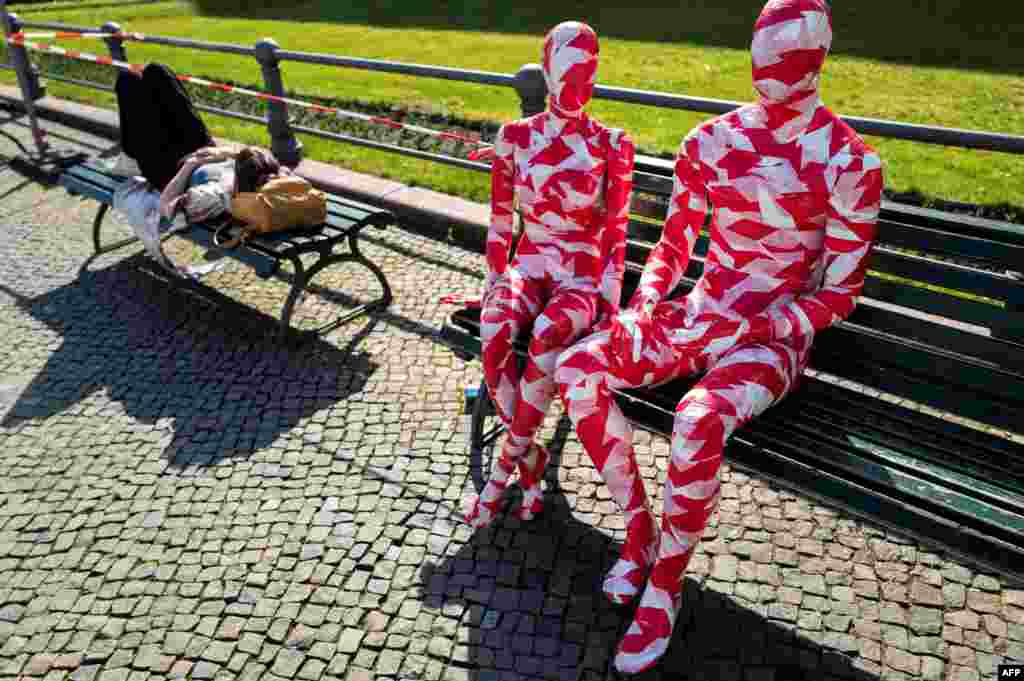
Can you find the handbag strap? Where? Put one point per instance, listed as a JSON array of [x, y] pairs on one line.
[[243, 234]]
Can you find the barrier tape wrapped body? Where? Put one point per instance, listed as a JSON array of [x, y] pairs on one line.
[[572, 177], [793, 195]]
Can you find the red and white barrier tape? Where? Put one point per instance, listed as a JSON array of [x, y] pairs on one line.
[[63, 35], [18, 39]]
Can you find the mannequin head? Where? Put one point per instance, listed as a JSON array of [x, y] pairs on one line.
[[570, 66], [791, 39]]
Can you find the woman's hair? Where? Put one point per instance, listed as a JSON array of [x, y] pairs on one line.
[[253, 167]]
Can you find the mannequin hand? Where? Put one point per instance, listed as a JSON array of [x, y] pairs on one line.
[[489, 283], [644, 309], [628, 333]]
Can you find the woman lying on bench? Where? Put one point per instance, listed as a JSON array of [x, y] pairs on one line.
[[210, 178]]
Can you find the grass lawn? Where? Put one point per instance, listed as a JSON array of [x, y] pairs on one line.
[[964, 78]]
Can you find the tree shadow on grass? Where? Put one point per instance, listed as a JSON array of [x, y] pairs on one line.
[[975, 36], [184, 359]]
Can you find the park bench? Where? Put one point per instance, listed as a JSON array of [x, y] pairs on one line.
[[939, 329], [264, 253]]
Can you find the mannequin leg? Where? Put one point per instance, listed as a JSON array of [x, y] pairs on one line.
[[585, 376], [509, 308], [740, 386], [567, 316]]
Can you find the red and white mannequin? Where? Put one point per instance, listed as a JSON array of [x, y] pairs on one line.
[[572, 178], [794, 196]]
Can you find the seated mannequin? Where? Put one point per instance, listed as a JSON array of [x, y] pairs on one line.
[[572, 177], [793, 195]]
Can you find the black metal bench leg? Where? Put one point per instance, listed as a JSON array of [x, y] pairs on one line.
[[300, 279], [98, 248], [353, 245], [479, 437]]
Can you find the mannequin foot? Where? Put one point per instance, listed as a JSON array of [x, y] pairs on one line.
[[479, 510], [626, 578], [531, 480], [649, 635]]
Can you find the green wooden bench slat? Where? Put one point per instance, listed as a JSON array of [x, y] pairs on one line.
[[75, 185], [870, 497], [950, 244], [877, 506], [813, 394], [977, 312], [993, 352], [959, 224], [946, 275], [353, 214], [962, 397], [652, 183], [935, 363], [907, 424], [909, 456], [95, 175], [820, 449], [923, 433]]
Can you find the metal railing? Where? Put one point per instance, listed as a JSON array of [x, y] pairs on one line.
[[528, 83]]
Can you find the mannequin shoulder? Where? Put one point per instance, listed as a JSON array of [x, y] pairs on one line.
[[514, 133], [846, 139], [617, 139]]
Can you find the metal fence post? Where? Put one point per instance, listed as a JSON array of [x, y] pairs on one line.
[[283, 144], [115, 45], [27, 73], [533, 91]]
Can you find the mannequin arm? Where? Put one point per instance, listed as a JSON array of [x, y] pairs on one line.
[[499, 236], [619, 174], [687, 211]]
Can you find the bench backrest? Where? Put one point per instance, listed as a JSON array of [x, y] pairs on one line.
[[940, 321]]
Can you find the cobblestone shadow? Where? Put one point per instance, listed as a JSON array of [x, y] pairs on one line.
[[533, 607], [531, 594], [201, 369]]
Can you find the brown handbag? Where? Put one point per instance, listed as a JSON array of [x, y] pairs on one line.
[[282, 203]]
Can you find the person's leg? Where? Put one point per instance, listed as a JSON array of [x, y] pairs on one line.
[[740, 386], [585, 376], [566, 316], [508, 309], [135, 111], [181, 128]]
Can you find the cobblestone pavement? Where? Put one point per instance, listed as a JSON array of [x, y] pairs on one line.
[[182, 498]]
